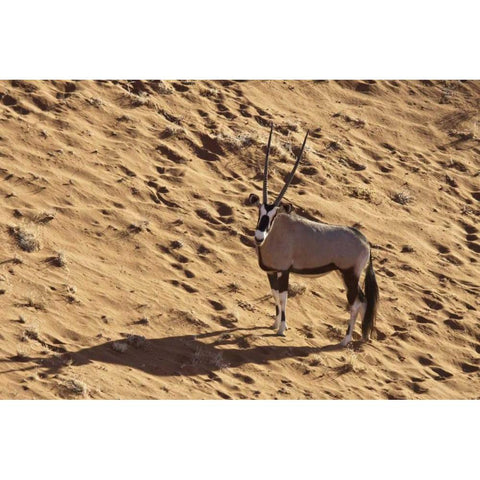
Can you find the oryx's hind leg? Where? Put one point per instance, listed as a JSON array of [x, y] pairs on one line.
[[273, 279], [356, 302], [283, 294]]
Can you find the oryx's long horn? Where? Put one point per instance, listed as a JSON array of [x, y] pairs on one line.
[[292, 173], [265, 170]]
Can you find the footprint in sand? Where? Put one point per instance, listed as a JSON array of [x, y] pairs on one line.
[[205, 215], [418, 388], [225, 112], [189, 288], [441, 248], [217, 305], [425, 361], [244, 111], [471, 237], [225, 212], [189, 273], [475, 247], [8, 100], [422, 319], [442, 374], [469, 368], [386, 167], [432, 303], [224, 395], [180, 87], [244, 378], [454, 324], [171, 154]]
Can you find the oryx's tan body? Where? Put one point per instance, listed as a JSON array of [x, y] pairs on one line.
[[302, 246]]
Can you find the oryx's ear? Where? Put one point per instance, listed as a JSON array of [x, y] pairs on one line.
[[253, 199], [287, 207]]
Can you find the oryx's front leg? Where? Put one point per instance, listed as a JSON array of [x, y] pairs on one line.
[[273, 279], [283, 294]]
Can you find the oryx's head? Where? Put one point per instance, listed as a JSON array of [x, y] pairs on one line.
[[268, 211]]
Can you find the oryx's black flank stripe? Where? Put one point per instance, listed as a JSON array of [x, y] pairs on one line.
[[315, 271]]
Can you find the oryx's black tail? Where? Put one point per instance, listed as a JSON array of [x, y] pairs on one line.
[[372, 296]]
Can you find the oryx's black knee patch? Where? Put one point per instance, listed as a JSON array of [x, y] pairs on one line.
[[272, 279], [283, 316], [351, 282], [277, 310], [283, 281]]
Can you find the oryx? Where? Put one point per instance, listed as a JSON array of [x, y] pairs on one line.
[[288, 243]]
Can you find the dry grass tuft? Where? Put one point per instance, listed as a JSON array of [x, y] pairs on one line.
[[363, 193], [295, 289], [58, 260], [31, 301], [95, 102], [75, 387], [120, 347], [403, 198], [138, 227], [209, 92], [173, 131], [45, 217], [26, 240], [236, 142], [137, 341], [31, 332]]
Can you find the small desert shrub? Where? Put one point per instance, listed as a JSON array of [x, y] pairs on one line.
[[295, 289], [26, 240], [138, 227], [45, 217], [162, 88], [58, 260], [362, 193], [137, 341], [210, 92], [233, 287], [140, 100], [75, 387], [403, 198], [95, 101], [120, 347], [172, 131], [31, 301], [235, 142], [31, 332]]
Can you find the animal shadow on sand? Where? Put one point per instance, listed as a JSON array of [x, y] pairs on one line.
[[183, 355]]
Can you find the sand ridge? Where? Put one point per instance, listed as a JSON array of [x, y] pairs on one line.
[[142, 280]]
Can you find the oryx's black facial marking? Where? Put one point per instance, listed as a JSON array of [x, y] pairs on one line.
[[263, 223], [266, 216]]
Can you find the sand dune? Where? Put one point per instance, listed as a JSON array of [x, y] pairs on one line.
[[127, 267]]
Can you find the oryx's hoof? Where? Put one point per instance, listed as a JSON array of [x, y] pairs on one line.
[[345, 342], [281, 330]]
